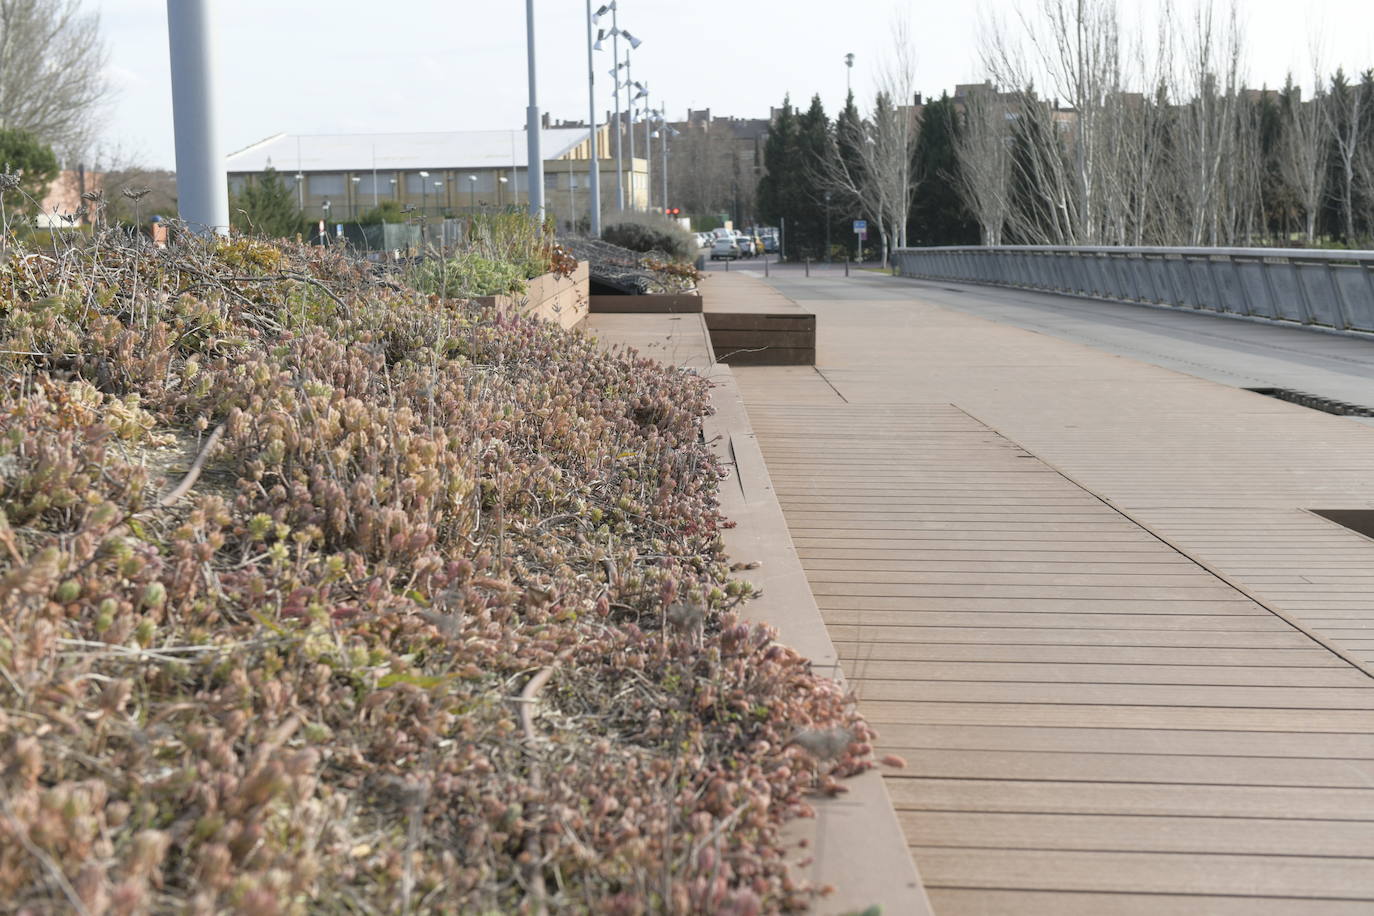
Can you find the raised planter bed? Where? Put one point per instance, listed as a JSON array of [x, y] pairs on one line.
[[563, 300], [677, 303]]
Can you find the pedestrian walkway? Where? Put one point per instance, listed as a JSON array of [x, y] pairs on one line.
[[1083, 596]]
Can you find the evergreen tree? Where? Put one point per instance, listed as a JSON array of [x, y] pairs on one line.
[[938, 215], [266, 206], [779, 164], [21, 154], [810, 207]]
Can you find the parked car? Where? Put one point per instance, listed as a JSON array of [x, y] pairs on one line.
[[725, 248], [770, 243], [746, 245]]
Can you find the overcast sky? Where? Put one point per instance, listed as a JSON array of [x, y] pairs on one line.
[[416, 65]]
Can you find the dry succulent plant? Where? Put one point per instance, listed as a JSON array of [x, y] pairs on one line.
[[283, 543]]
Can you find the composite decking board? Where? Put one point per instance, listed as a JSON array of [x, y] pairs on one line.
[[984, 902], [1329, 877], [1141, 833], [1084, 688], [1026, 673], [874, 690], [1151, 743], [1183, 800], [887, 640], [1111, 715], [1187, 769]]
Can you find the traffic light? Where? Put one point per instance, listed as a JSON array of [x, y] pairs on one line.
[[674, 211]]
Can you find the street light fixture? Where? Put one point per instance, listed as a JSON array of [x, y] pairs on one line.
[[472, 192], [614, 34], [501, 179]]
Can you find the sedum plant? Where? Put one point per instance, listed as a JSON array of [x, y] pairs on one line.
[[324, 594]]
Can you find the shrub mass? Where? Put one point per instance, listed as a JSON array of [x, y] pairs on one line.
[[322, 594]]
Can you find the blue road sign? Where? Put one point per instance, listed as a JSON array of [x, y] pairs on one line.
[[860, 225]]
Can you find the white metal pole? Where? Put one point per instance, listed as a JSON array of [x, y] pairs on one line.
[[630, 128], [594, 207], [665, 130], [534, 169], [619, 161], [202, 185], [648, 153]]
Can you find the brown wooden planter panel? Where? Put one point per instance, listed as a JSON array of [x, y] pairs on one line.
[[735, 321], [650, 302], [767, 356], [764, 337]]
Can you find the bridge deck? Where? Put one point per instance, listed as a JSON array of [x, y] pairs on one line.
[[1016, 541]]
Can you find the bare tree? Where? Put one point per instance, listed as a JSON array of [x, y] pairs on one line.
[[1348, 112], [1208, 88], [983, 146], [51, 65], [1304, 149], [880, 175]]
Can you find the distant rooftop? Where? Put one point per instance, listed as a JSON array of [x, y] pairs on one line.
[[458, 149]]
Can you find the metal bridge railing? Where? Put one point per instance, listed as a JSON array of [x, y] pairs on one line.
[[1331, 289]]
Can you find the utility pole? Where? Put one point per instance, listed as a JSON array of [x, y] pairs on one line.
[[594, 209], [534, 171], [202, 186]]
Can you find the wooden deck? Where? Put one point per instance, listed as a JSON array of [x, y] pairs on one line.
[[1082, 597]]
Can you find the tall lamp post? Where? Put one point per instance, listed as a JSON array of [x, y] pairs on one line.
[[642, 91], [615, 33], [849, 70], [472, 192], [534, 169], [500, 187], [203, 186], [664, 132], [630, 113], [594, 171]]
